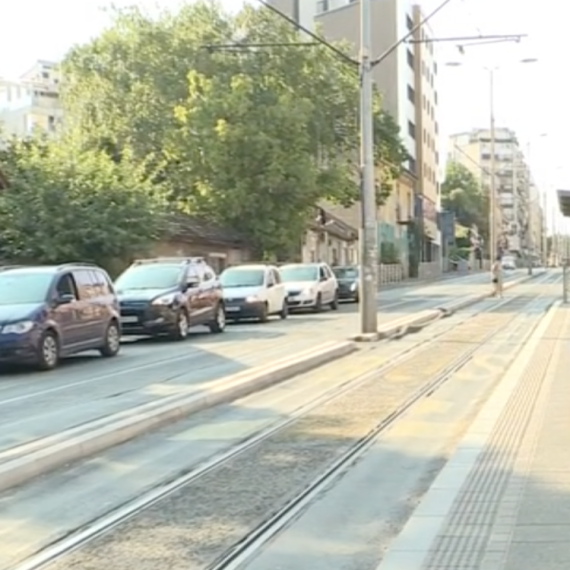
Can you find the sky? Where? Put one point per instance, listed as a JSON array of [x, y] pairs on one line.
[[529, 98]]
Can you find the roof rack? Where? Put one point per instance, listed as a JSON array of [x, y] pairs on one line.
[[7, 267], [76, 263], [185, 260]]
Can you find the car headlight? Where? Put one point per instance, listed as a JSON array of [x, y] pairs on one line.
[[165, 299], [354, 286], [252, 299], [18, 328], [309, 291]]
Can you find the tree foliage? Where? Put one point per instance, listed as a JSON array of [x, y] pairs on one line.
[[461, 193], [62, 206], [252, 138]]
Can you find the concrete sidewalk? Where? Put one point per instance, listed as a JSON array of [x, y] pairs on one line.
[[502, 502]]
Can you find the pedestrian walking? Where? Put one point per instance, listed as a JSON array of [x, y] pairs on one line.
[[497, 278]]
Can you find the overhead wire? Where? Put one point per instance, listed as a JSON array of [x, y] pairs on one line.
[[345, 57]]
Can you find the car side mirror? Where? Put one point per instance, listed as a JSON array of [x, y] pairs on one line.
[[270, 284], [323, 278], [65, 299], [192, 284]]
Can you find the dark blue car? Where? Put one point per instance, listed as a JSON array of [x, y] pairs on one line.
[[168, 296], [50, 312]]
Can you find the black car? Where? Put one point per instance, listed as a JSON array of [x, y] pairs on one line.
[[348, 278], [167, 296], [48, 312]]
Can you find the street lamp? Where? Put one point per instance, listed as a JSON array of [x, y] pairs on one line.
[[493, 186]]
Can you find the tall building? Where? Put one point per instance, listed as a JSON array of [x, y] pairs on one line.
[[407, 80], [31, 102], [519, 212]]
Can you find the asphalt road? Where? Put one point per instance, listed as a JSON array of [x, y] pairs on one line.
[[36, 405], [345, 529]]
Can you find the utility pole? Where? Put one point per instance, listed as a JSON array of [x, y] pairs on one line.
[[368, 232], [493, 185], [544, 227]]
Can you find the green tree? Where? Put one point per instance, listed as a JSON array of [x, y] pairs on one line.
[[250, 138], [461, 193], [63, 205]]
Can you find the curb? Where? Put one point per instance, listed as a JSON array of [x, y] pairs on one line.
[[407, 324], [92, 438]]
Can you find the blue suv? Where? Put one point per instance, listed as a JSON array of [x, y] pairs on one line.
[[50, 312]]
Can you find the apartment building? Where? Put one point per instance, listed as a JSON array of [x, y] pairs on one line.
[[31, 102], [519, 212], [407, 80]]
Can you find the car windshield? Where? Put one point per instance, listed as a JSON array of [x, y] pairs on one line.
[[242, 278], [149, 276], [291, 273], [19, 288], [345, 272]]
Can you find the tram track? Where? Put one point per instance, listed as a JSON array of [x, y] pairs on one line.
[[286, 465]]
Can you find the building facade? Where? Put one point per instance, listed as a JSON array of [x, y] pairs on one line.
[[407, 81], [519, 216], [31, 102]]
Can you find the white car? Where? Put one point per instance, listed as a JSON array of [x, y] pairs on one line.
[[253, 292], [508, 263], [310, 286]]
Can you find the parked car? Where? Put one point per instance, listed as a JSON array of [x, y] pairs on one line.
[[168, 296], [47, 313], [253, 291], [508, 263], [348, 277], [310, 286]]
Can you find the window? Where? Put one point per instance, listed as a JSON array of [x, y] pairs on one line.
[[66, 286], [322, 6], [409, 23], [435, 67], [412, 129], [275, 276], [435, 97], [192, 275], [85, 281], [411, 94], [412, 166], [102, 283], [20, 288], [410, 57]]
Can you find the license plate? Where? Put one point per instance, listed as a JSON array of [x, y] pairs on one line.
[[127, 320], [291, 297], [232, 309]]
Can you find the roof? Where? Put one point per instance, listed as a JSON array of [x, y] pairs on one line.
[[564, 202], [250, 266], [336, 227], [193, 229]]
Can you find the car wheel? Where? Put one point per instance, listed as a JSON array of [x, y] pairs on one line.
[[319, 304], [48, 351], [112, 343], [284, 312], [182, 327], [218, 325], [334, 304], [264, 315]]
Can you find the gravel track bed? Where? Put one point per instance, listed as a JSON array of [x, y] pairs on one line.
[[192, 527]]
